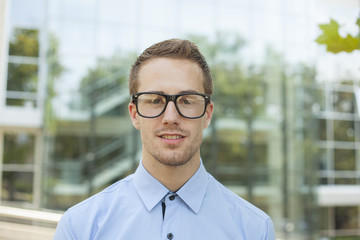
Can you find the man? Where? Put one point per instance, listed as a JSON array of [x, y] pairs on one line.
[[170, 196]]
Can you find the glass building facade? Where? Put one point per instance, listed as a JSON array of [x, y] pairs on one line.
[[286, 129]]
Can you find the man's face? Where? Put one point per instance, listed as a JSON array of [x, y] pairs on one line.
[[170, 138]]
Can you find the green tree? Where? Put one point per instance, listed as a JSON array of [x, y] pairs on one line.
[[55, 70], [19, 149], [24, 42], [22, 77], [240, 92]]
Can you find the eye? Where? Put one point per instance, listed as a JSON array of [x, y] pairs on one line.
[[186, 100], [151, 99], [157, 100]]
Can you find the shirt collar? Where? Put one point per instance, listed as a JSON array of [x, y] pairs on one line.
[[193, 191], [151, 191]]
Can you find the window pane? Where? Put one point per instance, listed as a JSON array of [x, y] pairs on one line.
[[233, 154], [22, 77], [21, 102], [27, 12], [19, 148], [24, 42], [324, 218], [319, 96], [346, 218], [344, 102], [345, 181], [322, 130], [322, 160], [344, 159], [324, 181], [17, 186], [344, 131]]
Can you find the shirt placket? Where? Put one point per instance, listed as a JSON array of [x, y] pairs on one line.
[[170, 222]]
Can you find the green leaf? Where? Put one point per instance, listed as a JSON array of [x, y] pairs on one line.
[[350, 43], [334, 42]]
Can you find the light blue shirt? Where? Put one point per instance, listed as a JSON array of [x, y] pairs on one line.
[[131, 209]]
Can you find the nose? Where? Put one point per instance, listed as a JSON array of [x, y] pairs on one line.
[[171, 115]]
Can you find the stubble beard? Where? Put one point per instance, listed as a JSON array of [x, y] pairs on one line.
[[173, 156]]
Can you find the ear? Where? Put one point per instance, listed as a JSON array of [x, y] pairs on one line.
[[134, 116], [208, 114]]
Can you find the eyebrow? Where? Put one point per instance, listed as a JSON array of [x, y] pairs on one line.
[[189, 91], [181, 92]]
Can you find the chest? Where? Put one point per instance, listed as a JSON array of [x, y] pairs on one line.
[[179, 222]]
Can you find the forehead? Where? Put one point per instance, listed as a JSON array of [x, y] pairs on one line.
[[170, 75]]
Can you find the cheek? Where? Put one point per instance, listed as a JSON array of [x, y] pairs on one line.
[[198, 129], [144, 135], [205, 123], [145, 127]]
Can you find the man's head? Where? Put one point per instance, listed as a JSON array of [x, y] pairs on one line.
[[172, 48], [171, 102]]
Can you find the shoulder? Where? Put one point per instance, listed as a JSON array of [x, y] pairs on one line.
[[84, 217], [104, 197], [249, 220], [243, 213]]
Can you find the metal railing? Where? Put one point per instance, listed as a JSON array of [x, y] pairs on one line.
[[18, 223], [29, 215]]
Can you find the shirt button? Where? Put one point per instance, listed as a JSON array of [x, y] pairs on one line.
[[170, 236], [172, 197]]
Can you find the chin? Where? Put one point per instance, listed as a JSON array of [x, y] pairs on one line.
[[174, 160]]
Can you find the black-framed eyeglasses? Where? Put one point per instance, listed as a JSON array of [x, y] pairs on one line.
[[153, 104]]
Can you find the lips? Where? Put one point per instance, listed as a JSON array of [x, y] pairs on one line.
[[171, 136], [171, 139]]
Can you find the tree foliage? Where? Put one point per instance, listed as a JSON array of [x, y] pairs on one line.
[[55, 70], [23, 77], [239, 88], [24, 42], [239, 93], [334, 42]]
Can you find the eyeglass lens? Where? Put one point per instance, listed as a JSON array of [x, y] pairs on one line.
[[189, 105]]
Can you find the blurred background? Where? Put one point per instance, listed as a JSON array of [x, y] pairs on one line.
[[286, 130]]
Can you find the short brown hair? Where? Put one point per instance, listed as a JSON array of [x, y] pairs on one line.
[[172, 48]]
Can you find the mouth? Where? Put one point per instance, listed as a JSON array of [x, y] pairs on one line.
[[171, 137]]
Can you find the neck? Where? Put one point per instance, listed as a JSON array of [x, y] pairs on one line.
[[172, 177]]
